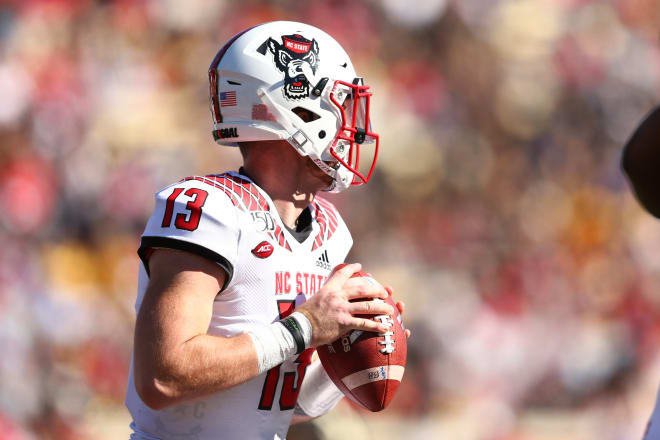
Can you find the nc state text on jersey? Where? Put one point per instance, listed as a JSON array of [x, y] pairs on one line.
[[305, 282]]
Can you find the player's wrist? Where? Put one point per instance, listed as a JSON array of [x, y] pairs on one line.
[[310, 320], [281, 340], [300, 328], [273, 345]]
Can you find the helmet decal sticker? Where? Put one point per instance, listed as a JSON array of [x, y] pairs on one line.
[[298, 58]]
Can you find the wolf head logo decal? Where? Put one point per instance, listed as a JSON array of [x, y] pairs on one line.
[[298, 58]]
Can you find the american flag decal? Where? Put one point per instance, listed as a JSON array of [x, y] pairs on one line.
[[228, 99]]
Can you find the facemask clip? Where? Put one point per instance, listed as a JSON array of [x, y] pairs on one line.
[[360, 135], [318, 89]]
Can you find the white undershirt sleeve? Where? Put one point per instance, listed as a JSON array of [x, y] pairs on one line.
[[318, 394]]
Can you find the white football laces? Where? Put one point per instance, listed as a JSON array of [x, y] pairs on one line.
[[388, 336]]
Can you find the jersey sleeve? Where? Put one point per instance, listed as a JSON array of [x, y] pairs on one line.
[[195, 217]]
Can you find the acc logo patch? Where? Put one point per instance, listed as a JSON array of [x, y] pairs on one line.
[[263, 250]]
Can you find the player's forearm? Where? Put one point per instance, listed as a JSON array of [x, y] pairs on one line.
[[202, 365]]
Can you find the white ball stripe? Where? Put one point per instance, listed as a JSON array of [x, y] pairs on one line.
[[391, 372]]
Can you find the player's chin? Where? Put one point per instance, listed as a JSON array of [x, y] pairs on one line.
[[318, 175]]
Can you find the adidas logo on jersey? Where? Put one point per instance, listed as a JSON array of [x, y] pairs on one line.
[[324, 262]]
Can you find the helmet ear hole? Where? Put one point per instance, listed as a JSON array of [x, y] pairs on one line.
[[305, 114], [322, 134]]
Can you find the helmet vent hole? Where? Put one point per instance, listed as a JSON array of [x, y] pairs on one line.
[[234, 83], [304, 114], [322, 134]]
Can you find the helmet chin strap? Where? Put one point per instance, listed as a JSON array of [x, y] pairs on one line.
[[298, 138]]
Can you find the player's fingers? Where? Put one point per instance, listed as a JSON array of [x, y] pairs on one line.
[[389, 290], [367, 325], [408, 333], [370, 308], [342, 273], [362, 288], [400, 305]]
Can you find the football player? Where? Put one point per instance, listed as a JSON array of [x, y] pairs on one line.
[[641, 163], [236, 284]]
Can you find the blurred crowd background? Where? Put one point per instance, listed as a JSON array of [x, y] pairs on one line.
[[498, 210]]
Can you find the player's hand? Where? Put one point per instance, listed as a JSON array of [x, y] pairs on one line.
[[331, 313], [400, 305]]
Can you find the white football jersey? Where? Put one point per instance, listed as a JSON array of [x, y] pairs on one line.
[[228, 219]]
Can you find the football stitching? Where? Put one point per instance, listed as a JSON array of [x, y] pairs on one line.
[[388, 336]]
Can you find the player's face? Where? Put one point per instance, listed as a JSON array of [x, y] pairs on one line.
[[317, 174], [314, 171]]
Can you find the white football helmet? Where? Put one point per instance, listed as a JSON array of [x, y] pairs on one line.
[[267, 74]]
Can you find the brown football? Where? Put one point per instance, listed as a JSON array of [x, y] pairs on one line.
[[368, 367]]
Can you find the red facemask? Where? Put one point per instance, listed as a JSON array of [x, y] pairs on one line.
[[355, 128]]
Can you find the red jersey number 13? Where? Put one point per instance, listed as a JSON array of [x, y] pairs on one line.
[[188, 221]]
